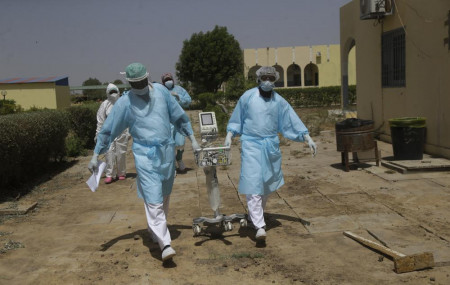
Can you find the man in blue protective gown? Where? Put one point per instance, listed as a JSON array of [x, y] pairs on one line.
[[260, 114], [183, 98], [148, 110]]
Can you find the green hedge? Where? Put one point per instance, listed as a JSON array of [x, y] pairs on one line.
[[316, 96], [28, 141], [83, 123]]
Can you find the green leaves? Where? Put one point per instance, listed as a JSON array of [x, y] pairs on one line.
[[28, 141], [316, 96], [209, 59], [93, 94]]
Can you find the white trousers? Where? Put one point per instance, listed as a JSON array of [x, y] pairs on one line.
[[116, 155], [256, 205], [157, 221]]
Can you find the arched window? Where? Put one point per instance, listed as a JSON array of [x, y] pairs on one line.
[[294, 75], [279, 82], [252, 72], [311, 75]]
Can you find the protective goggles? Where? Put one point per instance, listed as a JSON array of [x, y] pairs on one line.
[[139, 84], [270, 78]]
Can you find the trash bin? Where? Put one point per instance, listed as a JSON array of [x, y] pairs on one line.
[[408, 137]]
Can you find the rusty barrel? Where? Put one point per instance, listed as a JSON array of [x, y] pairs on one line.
[[353, 135]]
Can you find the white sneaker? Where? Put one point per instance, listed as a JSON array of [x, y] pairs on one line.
[[168, 253], [261, 234]]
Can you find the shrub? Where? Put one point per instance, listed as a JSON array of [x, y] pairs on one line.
[[83, 122], [9, 107], [236, 86], [74, 146], [28, 141], [208, 103], [316, 96]]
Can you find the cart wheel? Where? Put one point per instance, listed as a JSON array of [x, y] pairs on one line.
[[197, 229], [243, 223], [228, 226]]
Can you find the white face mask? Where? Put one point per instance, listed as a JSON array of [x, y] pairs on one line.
[[169, 84], [267, 85], [140, 92], [113, 97]]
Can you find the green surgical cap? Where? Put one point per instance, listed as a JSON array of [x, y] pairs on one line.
[[136, 72]]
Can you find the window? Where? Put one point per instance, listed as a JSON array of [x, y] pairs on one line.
[[393, 58]]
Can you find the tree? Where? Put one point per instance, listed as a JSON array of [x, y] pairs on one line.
[[93, 94], [209, 59], [237, 85], [119, 82]]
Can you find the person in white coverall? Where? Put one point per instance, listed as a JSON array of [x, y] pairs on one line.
[[116, 155], [260, 114], [183, 98], [148, 110]]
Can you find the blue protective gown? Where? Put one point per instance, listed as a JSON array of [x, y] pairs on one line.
[[149, 124], [258, 121], [185, 101]]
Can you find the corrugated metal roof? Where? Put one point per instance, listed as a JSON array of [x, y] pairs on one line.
[[32, 79]]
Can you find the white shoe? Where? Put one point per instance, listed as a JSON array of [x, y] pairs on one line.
[[168, 253], [261, 234]]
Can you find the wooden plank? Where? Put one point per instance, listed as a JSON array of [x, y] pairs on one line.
[[374, 245]]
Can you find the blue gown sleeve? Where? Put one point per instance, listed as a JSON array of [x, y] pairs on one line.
[[113, 126], [185, 99], [289, 124], [236, 120], [178, 116]]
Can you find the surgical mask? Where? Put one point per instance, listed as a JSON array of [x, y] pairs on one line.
[[113, 97], [267, 85], [169, 84], [140, 92]]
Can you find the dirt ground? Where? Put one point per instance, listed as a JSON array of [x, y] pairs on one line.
[[75, 236]]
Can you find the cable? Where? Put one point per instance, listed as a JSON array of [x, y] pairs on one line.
[[406, 33]]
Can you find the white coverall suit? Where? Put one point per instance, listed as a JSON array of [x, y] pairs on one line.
[[116, 155]]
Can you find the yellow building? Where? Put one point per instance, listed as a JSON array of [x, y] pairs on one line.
[[300, 66], [41, 92], [402, 63]]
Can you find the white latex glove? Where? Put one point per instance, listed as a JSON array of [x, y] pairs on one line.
[[195, 145], [311, 144], [228, 139], [93, 164]]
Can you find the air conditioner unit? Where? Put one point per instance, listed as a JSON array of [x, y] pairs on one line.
[[375, 9]]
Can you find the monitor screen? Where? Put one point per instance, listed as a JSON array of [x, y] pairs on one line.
[[207, 119]]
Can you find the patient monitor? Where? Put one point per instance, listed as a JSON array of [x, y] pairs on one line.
[[208, 126]]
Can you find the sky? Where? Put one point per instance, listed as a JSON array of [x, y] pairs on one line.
[[99, 38]]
